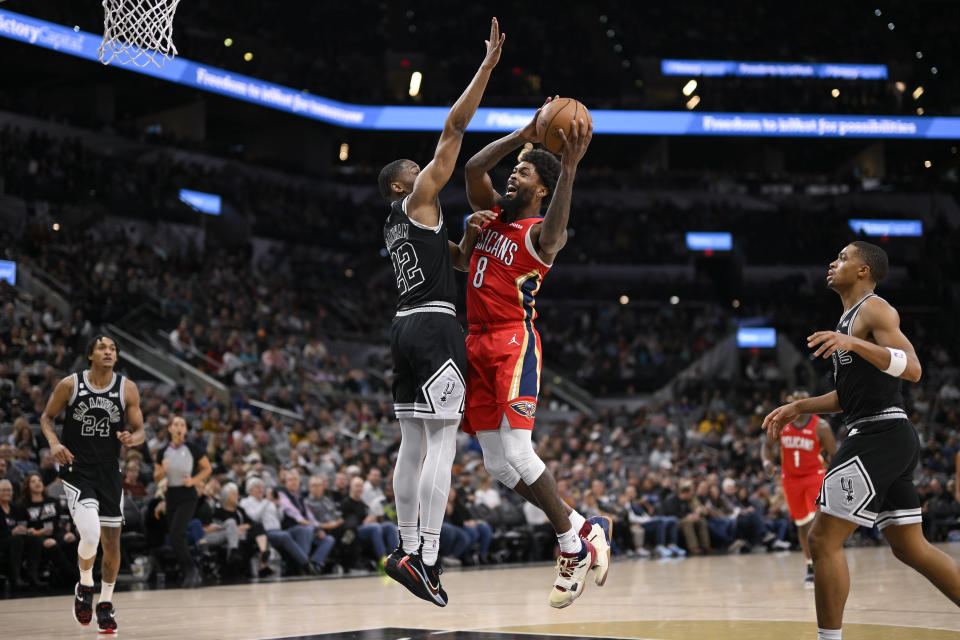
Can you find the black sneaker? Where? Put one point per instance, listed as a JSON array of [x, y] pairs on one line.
[[106, 618], [424, 580], [809, 577], [83, 604]]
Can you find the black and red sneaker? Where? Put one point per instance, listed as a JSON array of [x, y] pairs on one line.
[[106, 618], [83, 604], [423, 580]]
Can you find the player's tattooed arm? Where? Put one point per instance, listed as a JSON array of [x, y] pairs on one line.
[[551, 235], [134, 435], [480, 191], [460, 253], [58, 400], [422, 205]]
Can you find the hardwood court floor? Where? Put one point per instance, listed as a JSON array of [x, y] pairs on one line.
[[747, 597]]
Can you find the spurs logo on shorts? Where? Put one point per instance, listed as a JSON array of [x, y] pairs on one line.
[[447, 390], [847, 492], [846, 483]]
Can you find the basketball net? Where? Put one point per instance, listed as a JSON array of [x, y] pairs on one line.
[[138, 31]]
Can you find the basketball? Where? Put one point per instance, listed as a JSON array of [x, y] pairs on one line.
[[560, 114]]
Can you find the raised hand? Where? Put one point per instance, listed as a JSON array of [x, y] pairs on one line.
[[494, 45], [575, 145]]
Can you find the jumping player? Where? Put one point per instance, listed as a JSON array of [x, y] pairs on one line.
[[98, 402], [803, 444], [870, 480], [507, 267], [426, 341]]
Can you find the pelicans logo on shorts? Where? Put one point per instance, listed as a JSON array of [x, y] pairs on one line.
[[524, 408]]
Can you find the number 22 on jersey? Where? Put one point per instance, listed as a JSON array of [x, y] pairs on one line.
[[405, 263]]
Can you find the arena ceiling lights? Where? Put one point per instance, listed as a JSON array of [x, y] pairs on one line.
[[45, 34]]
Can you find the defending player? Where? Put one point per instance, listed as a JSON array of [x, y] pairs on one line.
[[803, 444], [426, 340], [507, 267], [98, 403], [870, 481]]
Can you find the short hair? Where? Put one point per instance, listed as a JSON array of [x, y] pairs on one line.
[[388, 175], [547, 166], [253, 482], [875, 258], [93, 344], [227, 489]]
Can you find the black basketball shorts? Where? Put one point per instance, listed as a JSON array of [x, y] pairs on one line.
[[98, 484], [870, 480], [429, 360]]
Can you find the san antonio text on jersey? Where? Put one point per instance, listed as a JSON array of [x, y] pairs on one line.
[[421, 259], [94, 416]]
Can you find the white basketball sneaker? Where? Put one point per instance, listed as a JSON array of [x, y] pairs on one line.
[[571, 577]]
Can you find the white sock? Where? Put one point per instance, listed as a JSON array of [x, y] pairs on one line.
[[576, 521], [569, 541], [431, 548], [409, 537], [106, 591], [86, 577], [828, 634]]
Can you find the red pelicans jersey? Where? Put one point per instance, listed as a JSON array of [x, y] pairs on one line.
[[800, 450], [506, 292]]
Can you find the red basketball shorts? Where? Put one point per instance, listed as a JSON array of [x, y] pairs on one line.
[[801, 493], [503, 376]]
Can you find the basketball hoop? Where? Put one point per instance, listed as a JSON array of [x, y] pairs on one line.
[[138, 31]]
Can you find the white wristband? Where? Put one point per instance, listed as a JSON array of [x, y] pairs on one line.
[[898, 362]]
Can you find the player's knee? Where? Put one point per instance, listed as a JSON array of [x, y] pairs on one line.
[[87, 522], [500, 469], [528, 464]]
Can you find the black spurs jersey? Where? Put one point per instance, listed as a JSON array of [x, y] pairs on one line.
[[94, 416], [421, 259], [863, 390]]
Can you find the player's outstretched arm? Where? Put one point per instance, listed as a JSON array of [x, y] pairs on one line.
[[421, 207], [134, 435], [893, 353], [58, 400], [550, 235], [460, 253], [480, 191], [777, 419]]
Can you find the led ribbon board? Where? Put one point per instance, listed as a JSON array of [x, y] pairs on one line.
[[842, 71], [401, 118], [888, 228]]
